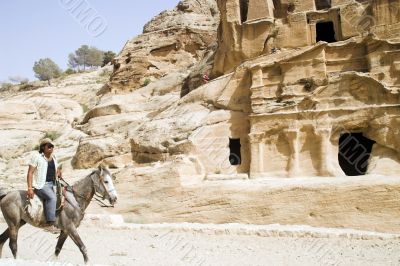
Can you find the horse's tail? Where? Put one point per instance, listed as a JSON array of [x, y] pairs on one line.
[[3, 193]]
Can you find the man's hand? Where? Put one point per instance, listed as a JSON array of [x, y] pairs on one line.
[[59, 173], [30, 193]]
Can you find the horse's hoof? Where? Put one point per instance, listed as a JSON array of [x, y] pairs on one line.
[[52, 258]]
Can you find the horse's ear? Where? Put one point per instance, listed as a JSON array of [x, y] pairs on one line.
[[102, 166], [100, 169]]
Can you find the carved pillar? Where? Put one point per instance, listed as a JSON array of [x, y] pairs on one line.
[[293, 163], [257, 77], [261, 151], [260, 9], [256, 149], [325, 168]]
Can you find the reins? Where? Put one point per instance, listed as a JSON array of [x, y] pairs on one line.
[[96, 194], [100, 198]]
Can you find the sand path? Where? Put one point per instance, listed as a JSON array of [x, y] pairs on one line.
[[190, 244]]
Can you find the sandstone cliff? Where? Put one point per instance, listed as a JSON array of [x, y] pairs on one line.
[[171, 42], [299, 90], [52, 111]]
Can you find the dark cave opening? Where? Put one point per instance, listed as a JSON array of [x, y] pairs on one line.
[[354, 153], [325, 32], [235, 156]]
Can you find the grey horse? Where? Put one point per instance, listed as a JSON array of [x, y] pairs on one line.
[[18, 210]]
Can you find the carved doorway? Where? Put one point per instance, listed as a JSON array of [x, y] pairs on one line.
[[354, 153], [322, 4], [325, 32], [235, 157]]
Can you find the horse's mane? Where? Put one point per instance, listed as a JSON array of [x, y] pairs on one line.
[[93, 172], [80, 181], [3, 193]]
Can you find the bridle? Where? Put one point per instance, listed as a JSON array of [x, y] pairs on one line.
[[97, 194], [102, 183]]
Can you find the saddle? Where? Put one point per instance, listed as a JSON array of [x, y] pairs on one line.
[[61, 188], [34, 208]]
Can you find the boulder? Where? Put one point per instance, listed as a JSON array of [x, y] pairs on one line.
[[92, 150]]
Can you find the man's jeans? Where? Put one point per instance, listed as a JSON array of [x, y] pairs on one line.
[[47, 194]]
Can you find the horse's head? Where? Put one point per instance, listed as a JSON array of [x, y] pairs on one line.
[[104, 186]]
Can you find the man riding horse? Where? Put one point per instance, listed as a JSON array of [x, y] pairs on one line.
[[20, 207], [42, 172]]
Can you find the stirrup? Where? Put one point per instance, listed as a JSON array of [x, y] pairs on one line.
[[52, 229]]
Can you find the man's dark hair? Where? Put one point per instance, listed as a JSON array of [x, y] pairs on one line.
[[41, 148]]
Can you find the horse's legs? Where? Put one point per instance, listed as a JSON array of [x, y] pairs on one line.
[[13, 240], [13, 234], [3, 238], [73, 234], [61, 239]]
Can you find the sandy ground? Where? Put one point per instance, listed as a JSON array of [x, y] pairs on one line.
[[190, 244]]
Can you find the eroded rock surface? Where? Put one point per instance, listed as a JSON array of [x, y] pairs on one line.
[[171, 42], [51, 111]]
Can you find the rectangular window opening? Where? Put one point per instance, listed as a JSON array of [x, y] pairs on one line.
[[244, 9], [235, 157], [322, 4], [325, 32]]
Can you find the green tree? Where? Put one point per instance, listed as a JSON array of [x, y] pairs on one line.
[[73, 61], [82, 55], [86, 56], [18, 79], [69, 71], [108, 57], [46, 69], [95, 57], [5, 86]]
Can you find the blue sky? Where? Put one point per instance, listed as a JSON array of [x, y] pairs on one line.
[[31, 30]]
